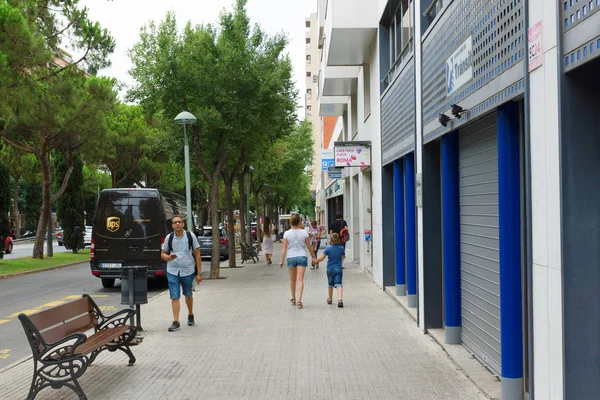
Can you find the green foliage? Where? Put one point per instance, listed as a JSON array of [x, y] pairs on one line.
[[33, 204], [70, 207], [94, 180], [4, 205]]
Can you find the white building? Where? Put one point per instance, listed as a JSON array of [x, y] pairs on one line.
[[482, 195]]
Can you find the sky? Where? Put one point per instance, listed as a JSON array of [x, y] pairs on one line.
[[124, 18]]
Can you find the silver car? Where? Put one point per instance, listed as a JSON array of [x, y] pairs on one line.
[[205, 241]]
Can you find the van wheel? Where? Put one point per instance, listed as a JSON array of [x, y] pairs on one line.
[[108, 282]]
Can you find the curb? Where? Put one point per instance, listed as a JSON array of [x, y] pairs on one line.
[[35, 271]]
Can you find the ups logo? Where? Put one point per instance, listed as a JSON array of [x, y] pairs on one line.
[[113, 224]]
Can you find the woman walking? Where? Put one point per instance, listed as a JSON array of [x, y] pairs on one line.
[[315, 240], [267, 241], [295, 246]]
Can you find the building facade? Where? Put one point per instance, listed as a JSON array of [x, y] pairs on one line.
[[482, 193]]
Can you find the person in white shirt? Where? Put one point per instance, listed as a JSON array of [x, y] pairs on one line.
[[295, 246]]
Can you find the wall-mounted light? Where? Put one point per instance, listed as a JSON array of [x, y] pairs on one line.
[[457, 110], [443, 119]]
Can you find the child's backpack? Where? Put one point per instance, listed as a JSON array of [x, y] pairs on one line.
[[344, 234]]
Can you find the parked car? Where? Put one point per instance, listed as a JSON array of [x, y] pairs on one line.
[[253, 229], [87, 236], [59, 237], [205, 241]]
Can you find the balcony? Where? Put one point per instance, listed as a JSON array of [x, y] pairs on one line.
[[333, 106], [350, 27], [339, 81]]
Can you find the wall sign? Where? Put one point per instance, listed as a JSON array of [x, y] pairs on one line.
[[459, 67], [334, 172], [534, 46], [327, 159], [353, 156]]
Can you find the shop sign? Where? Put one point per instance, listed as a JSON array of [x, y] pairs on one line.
[[327, 159], [334, 172], [459, 67], [534, 46], [352, 156]]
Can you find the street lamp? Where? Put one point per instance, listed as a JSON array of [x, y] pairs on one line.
[[186, 118], [249, 233]]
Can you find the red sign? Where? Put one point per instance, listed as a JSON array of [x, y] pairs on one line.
[[534, 46]]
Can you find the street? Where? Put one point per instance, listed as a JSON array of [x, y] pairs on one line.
[[25, 250], [35, 292]]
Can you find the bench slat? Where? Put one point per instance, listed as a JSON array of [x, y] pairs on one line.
[[48, 318], [79, 324], [100, 338]]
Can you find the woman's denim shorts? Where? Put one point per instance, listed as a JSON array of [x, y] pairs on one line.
[[294, 262]]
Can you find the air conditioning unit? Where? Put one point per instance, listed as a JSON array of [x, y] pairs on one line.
[[315, 78]]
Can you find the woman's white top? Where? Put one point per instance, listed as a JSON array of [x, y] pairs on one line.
[[296, 243]]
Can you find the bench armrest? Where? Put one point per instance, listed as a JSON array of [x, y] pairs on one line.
[[117, 319], [62, 349]]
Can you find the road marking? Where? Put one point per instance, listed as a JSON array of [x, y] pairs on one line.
[[4, 354], [53, 303], [26, 312], [4, 320], [49, 305], [108, 308]]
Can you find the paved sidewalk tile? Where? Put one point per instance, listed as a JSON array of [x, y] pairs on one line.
[[249, 342]]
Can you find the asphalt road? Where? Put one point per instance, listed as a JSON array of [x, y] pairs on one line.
[[26, 249], [36, 292]]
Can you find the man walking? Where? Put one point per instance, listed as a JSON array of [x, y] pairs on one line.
[[181, 251]]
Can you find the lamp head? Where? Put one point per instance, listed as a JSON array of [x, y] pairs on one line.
[[185, 118], [443, 119], [457, 110]]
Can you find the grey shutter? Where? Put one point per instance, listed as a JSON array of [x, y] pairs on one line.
[[479, 241]]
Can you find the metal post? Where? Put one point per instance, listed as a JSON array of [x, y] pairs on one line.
[[188, 187], [249, 230], [131, 302]]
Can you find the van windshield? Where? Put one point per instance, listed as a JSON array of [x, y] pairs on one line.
[[136, 220]]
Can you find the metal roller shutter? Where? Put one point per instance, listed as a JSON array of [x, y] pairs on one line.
[[479, 241]]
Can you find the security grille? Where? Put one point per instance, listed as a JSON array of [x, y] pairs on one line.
[[479, 241]]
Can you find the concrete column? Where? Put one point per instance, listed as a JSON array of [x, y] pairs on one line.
[[451, 237], [399, 239], [509, 201], [411, 239]]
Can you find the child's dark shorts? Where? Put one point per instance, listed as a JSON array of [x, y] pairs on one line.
[[334, 277]]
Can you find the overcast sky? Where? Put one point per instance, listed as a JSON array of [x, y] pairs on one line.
[[124, 18]]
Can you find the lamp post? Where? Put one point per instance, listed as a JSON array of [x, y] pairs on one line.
[[186, 118], [249, 231]]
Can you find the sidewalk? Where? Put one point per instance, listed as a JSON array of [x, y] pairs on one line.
[[249, 342]]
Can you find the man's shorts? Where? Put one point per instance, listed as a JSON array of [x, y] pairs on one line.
[[334, 277], [176, 282], [293, 262]]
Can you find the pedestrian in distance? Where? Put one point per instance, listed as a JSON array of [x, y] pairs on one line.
[[181, 251], [334, 253], [338, 226], [295, 246], [315, 240], [267, 239]]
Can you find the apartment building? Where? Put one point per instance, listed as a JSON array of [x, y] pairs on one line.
[[481, 197]]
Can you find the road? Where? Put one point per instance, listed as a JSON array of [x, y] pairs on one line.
[[26, 249], [32, 293]]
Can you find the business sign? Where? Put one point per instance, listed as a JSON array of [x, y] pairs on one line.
[[534, 46], [334, 172], [352, 156], [459, 67], [327, 159]]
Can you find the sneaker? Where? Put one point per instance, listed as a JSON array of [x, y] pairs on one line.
[[340, 304], [175, 326], [191, 320], [329, 301]]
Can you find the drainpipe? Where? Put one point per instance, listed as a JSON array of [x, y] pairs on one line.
[[528, 221]]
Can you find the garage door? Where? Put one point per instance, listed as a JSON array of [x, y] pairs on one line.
[[479, 241]]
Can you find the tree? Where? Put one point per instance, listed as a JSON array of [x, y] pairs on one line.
[[33, 204], [51, 106], [4, 205], [70, 207]]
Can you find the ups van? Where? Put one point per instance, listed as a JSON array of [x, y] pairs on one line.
[[129, 228]]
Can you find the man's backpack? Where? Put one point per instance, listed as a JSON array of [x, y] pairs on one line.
[[345, 234], [190, 242]]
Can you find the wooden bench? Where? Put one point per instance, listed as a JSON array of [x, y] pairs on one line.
[[61, 349]]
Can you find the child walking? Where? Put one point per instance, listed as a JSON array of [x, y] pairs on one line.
[[335, 253]]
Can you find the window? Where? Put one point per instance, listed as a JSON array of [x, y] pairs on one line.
[[307, 40], [400, 34], [366, 90], [308, 24], [308, 59], [308, 74], [309, 93], [308, 111]]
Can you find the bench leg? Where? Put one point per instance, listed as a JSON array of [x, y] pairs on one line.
[[41, 381], [37, 384]]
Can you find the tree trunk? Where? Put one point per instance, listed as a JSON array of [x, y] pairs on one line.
[[243, 222], [16, 207], [214, 209], [258, 225], [230, 227], [38, 247]]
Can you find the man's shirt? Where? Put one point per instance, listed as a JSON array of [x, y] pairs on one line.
[[184, 264]]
